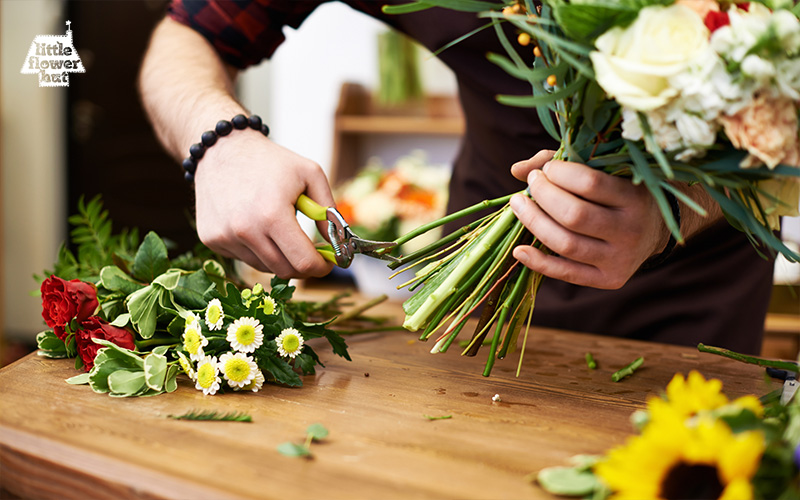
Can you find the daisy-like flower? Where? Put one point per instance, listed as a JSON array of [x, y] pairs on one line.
[[289, 342], [186, 365], [191, 317], [256, 384], [194, 340], [268, 305], [245, 334], [673, 460], [238, 369], [214, 315], [208, 375]]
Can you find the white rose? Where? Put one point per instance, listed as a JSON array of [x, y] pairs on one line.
[[634, 64], [788, 78], [787, 28], [758, 68]]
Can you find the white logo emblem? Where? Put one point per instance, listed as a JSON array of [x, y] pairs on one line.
[[53, 57]]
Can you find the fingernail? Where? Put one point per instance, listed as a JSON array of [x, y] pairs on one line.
[[516, 203], [521, 256], [534, 175], [546, 166]]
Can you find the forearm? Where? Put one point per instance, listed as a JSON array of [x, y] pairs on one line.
[[185, 87], [692, 222]]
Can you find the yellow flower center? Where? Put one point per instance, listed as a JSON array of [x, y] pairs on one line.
[[237, 369], [191, 341], [268, 306], [206, 375], [214, 314], [245, 334], [290, 343]]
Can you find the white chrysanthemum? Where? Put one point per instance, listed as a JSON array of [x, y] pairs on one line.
[[256, 384], [190, 318], [269, 306], [245, 334], [214, 315], [238, 369], [289, 342], [194, 341], [186, 365], [207, 375]]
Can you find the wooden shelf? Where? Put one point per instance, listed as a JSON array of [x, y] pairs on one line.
[[359, 116]]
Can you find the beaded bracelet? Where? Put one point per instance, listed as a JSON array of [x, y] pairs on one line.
[[209, 138], [659, 259]]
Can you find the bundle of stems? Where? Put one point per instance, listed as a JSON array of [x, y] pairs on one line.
[[471, 268]]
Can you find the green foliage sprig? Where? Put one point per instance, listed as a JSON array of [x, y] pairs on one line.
[[211, 415]]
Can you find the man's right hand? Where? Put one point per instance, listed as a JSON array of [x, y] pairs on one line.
[[246, 187]]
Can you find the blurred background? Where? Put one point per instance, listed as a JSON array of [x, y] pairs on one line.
[[344, 105]]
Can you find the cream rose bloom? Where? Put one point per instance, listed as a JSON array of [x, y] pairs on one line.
[[634, 64]]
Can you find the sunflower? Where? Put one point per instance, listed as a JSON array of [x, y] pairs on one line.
[[695, 396], [673, 460]]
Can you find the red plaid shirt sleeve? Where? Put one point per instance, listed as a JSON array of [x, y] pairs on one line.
[[242, 31]]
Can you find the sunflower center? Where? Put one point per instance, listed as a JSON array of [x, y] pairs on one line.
[[246, 334], [237, 370], [206, 375], [290, 343], [691, 481]]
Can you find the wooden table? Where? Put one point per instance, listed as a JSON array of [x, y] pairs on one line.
[[62, 441]]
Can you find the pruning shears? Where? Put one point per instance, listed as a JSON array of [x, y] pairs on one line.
[[790, 383], [346, 244]]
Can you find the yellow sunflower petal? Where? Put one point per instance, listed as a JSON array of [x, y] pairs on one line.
[[741, 457], [739, 489]]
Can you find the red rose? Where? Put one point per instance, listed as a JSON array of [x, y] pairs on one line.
[[64, 300], [96, 328]]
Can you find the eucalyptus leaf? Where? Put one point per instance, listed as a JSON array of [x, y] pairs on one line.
[[151, 258]]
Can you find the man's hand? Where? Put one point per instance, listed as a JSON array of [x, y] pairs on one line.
[[600, 228], [246, 188]]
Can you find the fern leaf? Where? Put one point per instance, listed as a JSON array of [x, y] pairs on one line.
[[211, 415]]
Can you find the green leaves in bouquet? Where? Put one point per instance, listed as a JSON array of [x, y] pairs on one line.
[[462, 5], [51, 346], [151, 258], [585, 20], [95, 244]]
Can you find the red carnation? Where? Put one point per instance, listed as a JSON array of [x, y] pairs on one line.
[[716, 19], [63, 301], [96, 328]]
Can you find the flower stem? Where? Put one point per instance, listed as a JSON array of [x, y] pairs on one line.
[[628, 370], [154, 342], [782, 365], [473, 255], [454, 216]]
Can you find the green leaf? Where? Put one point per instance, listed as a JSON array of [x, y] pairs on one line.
[[210, 415], [338, 344], [51, 346], [568, 481], [280, 369], [169, 280], [122, 320], [151, 259], [530, 101], [293, 450], [192, 289], [114, 279], [317, 431], [155, 370], [216, 273], [143, 308], [81, 379], [171, 381], [126, 383]]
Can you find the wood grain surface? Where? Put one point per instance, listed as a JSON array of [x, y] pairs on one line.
[[63, 441]]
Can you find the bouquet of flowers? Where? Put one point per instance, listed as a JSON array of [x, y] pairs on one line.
[[133, 318], [700, 92], [382, 203], [693, 442]]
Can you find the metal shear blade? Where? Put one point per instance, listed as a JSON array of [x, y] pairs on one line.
[[346, 243]]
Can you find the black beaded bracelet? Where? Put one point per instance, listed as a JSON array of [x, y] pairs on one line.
[[659, 259], [209, 138]]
